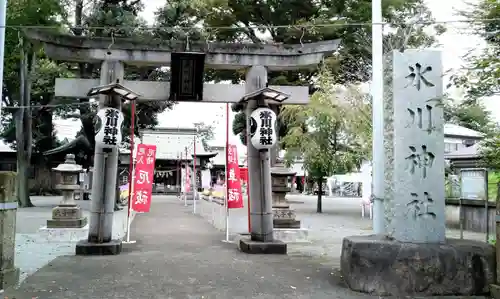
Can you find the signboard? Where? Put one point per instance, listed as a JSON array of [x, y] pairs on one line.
[[234, 197], [143, 177], [186, 83], [473, 183]]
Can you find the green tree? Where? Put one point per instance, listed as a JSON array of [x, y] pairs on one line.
[[490, 149], [205, 133], [24, 80], [351, 64], [115, 19], [481, 77], [472, 115], [338, 136], [482, 74]]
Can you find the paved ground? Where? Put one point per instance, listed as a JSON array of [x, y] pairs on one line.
[[341, 217], [32, 249], [179, 255]]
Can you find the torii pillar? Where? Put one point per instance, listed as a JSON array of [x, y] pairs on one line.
[[258, 58], [99, 241], [259, 174]]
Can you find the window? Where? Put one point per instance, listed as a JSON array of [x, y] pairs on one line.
[[450, 147], [8, 167]]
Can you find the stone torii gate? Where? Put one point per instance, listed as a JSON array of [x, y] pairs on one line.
[[258, 59]]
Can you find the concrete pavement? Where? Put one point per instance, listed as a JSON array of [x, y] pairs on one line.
[[341, 217], [33, 250], [179, 255]]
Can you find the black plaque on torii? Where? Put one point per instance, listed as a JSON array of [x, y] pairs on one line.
[[186, 83]]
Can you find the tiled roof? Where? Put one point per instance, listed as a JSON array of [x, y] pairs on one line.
[[220, 159], [456, 130]]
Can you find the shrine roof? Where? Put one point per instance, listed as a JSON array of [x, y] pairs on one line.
[[220, 159], [456, 130], [171, 142], [156, 52]]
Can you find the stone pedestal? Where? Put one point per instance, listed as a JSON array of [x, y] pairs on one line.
[[284, 217], [246, 245], [383, 266], [9, 274], [67, 216]]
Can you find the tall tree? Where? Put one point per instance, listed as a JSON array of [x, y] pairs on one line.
[[292, 22], [20, 71], [338, 136], [472, 115], [481, 77], [115, 19], [205, 133]]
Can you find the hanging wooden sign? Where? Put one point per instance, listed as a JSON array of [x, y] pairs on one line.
[[186, 83]]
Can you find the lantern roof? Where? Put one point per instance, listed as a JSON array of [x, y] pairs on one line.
[[69, 165]]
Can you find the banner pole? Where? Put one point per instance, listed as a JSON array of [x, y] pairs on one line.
[[187, 178], [195, 176], [226, 172], [179, 175], [131, 170]]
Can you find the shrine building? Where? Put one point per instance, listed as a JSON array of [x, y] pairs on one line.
[[171, 145]]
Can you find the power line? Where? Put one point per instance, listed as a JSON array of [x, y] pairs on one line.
[[48, 106], [262, 27]]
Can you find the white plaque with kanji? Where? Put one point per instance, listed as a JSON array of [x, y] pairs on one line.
[[265, 136], [109, 123]]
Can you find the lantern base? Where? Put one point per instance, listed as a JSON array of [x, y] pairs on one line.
[[284, 217], [67, 216]]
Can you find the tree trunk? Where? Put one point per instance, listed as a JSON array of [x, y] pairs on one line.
[[319, 204], [24, 132]]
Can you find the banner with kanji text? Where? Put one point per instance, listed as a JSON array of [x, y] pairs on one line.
[[143, 177], [234, 197]]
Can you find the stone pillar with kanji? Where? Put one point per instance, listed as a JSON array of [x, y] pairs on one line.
[[9, 274]]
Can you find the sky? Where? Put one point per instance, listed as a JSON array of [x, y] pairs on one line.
[[454, 44]]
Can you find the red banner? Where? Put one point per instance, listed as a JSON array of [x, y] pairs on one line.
[[234, 198], [143, 177], [244, 174]]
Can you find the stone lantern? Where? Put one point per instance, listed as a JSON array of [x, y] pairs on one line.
[[68, 214], [283, 216]]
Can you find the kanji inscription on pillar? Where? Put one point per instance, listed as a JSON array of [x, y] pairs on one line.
[[264, 136], [109, 133], [418, 175]]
